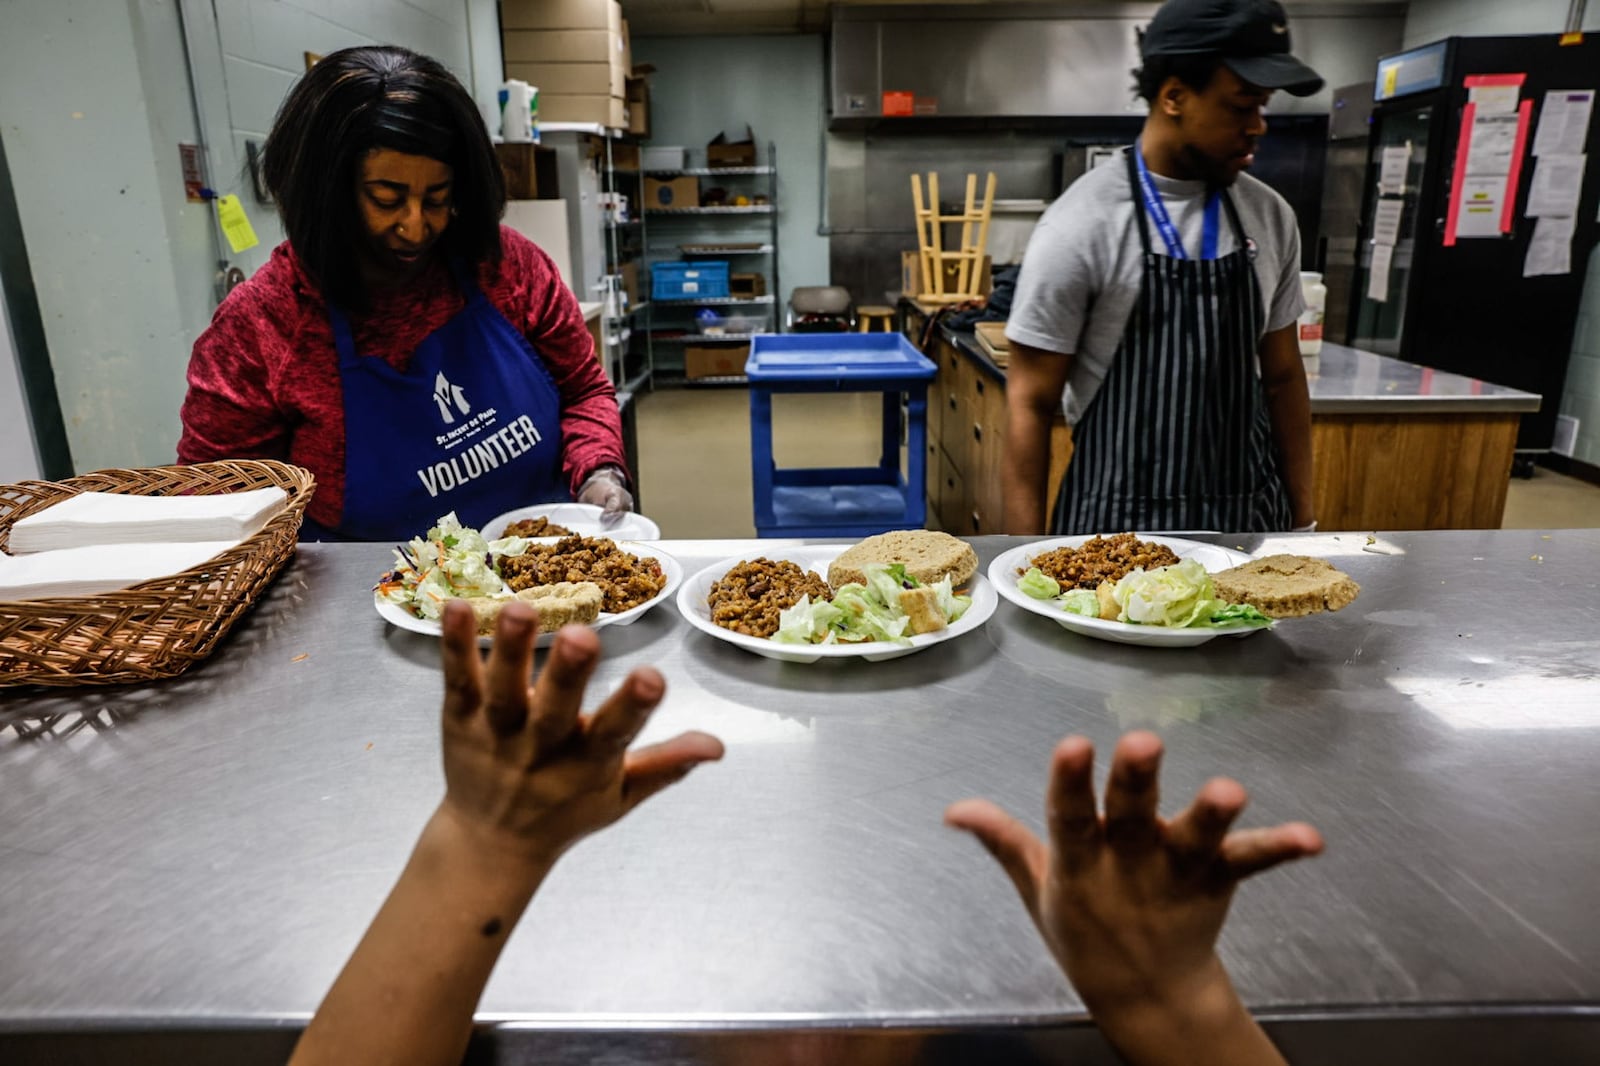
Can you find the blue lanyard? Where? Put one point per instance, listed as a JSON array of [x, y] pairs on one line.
[[1157, 209]]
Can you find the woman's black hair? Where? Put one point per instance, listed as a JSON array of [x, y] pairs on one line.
[[355, 101], [1195, 70]]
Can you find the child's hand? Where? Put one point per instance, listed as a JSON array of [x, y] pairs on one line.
[[526, 774], [1131, 904]]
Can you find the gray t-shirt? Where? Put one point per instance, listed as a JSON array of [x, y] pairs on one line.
[[1081, 273]]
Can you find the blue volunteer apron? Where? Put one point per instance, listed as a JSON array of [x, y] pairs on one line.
[[473, 426], [1179, 435]]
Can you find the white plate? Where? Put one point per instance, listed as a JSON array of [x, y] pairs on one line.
[[1003, 574], [692, 605], [396, 615], [582, 518]]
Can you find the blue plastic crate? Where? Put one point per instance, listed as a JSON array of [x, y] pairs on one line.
[[798, 358], [706, 280]]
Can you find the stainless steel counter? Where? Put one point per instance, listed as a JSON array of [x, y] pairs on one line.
[[1346, 381], [185, 866], [1351, 381]]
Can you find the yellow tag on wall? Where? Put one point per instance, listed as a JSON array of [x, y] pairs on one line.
[[235, 224]]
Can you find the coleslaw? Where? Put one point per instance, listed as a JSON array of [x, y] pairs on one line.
[[451, 561]]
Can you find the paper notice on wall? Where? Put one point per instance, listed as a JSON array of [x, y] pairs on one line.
[[1493, 145], [1378, 274], [1564, 122], [1392, 169], [1386, 222], [1481, 203], [1495, 99], [1550, 250], [1557, 184]]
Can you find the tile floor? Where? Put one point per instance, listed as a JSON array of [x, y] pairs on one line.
[[694, 457]]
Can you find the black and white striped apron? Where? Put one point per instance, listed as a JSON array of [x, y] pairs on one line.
[[1178, 437]]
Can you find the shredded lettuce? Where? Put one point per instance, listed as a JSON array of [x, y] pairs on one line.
[[952, 605], [1080, 601], [1237, 615], [866, 617], [1178, 596], [861, 612], [808, 622], [1040, 585], [452, 562]]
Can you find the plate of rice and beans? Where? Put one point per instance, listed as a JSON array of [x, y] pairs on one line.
[[1157, 591], [885, 597]]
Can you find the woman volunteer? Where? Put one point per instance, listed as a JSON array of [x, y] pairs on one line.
[[416, 356], [1166, 291]]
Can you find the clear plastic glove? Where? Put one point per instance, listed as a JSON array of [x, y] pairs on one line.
[[607, 489]]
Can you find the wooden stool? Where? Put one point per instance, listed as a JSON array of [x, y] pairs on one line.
[[871, 313]]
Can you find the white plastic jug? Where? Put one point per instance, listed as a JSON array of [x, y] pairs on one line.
[[519, 110], [1316, 296]]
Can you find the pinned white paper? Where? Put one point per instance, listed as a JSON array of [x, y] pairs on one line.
[[1482, 203], [1557, 184], [1494, 142], [1386, 221], [1563, 122], [1378, 274], [1550, 250], [1392, 169], [1495, 99]]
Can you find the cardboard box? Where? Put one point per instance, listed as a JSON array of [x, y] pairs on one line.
[[722, 152], [913, 285], [624, 156], [563, 46], [570, 79], [626, 45], [629, 272], [638, 97], [720, 362], [747, 286], [544, 222], [561, 15], [671, 192], [664, 157], [608, 111], [530, 171]]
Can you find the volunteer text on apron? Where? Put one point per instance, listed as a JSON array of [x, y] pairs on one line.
[[1178, 437], [472, 425]]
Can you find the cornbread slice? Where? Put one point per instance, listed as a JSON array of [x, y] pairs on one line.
[[1287, 586], [1110, 609], [561, 604], [927, 555], [922, 608]]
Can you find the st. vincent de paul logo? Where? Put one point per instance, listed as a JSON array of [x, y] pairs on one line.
[[446, 395]]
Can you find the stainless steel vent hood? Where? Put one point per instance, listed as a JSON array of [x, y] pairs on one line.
[[1012, 61]]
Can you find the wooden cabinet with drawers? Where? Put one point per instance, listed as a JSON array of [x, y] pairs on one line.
[[966, 444]]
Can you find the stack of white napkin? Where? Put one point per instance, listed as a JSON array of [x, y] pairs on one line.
[[99, 542]]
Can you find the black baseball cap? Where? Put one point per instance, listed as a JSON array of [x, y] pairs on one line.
[[1250, 36]]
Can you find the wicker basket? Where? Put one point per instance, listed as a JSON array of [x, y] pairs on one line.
[[156, 628]]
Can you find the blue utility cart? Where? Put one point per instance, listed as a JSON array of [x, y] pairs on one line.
[[847, 501]]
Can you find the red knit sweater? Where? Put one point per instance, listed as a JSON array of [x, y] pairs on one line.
[[264, 378]]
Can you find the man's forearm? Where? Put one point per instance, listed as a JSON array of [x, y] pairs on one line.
[[426, 957], [1289, 407], [1026, 470]]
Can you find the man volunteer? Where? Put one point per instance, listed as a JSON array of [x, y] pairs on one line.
[[1165, 290]]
